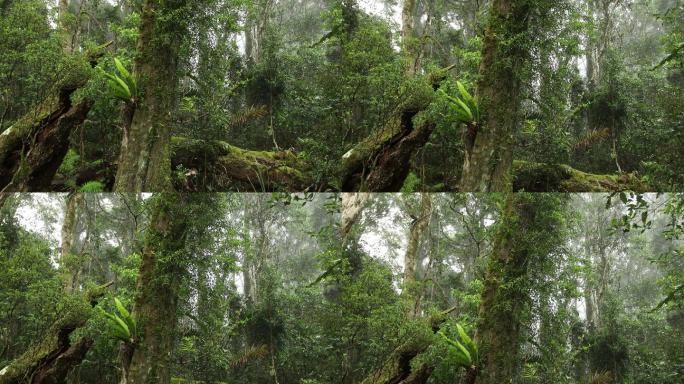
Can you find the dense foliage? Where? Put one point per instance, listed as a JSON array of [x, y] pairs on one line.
[[598, 86], [264, 290]]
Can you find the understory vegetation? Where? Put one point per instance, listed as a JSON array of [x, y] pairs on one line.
[[352, 288], [341, 95]]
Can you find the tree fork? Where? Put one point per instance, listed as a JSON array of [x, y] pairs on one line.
[[32, 149], [381, 162], [397, 368], [52, 358]]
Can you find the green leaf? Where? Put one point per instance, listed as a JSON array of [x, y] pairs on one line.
[[464, 93], [127, 318], [623, 197], [464, 113], [460, 349], [467, 340], [118, 333], [116, 322], [469, 100], [124, 72]]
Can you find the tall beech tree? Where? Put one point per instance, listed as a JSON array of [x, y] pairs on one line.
[[144, 160], [487, 167], [529, 231], [175, 223]]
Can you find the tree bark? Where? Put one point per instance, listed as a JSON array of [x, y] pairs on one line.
[[220, 166], [381, 162], [416, 233], [526, 218], [397, 369], [52, 358], [32, 149], [351, 209], [408, 41], [71, 271], [159, 282], [65, 35], [488, 166], [144, 160], [157, 293]]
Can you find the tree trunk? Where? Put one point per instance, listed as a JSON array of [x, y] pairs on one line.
[[219, 166], [32, 149], [351, 209], [488, 166], [65, 35], [410, 44], [174, 220], [144, 160], [381, 162], [71, 270], [157, 291], [526, 219], [398, 369], [416, 233]]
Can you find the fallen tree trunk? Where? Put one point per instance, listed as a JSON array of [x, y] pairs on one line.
[[51, 359], [538, 177], [397, 368], [32, 149], [219, 166], [216, 165]]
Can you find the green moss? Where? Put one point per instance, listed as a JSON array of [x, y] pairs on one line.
[[538, 177], [229, 164], [92, 187]]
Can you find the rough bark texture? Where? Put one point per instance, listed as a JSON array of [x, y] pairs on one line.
[[487, 167], [416, 233], [351, 210], [220, 166], [408, 41], [159, 282], [33, 148], [528, 222], [53, 357], [381, 162], [144, 162], [71, 272], [63, 9], [30, 150]]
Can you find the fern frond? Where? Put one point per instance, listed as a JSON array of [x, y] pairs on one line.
[[246, 115], [601, 378], [253, 352], [592, 137]]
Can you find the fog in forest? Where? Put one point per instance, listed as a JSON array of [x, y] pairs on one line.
[[341, 95], [351, 288]]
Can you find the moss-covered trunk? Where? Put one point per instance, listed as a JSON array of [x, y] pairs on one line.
[[398, 368], [144, 161], [164, 265], [32, 149], [410, 45], [157, 291], [70, 271], [381, 162], [51, 359], [487, 166], [416, 232], [218, 166], [527, 233]]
